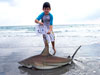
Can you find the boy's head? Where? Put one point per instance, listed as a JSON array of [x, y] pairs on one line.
[[46, 7]]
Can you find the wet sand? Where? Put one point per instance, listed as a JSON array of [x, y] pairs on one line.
[[86, 62]]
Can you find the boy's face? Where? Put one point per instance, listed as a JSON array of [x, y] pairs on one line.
[[46, 10]]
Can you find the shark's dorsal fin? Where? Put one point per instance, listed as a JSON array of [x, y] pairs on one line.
[[45, 51]]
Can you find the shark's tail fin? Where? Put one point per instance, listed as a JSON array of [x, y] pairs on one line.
[[76, 52]]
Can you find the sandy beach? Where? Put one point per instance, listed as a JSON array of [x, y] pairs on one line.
[[87, 56]]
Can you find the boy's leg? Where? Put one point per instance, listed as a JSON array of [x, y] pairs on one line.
[[46, 49], [45, 41], [52, 37], [46, 44], [53, 46]]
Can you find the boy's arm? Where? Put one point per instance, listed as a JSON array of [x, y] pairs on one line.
[[51, 24], [38, 18]]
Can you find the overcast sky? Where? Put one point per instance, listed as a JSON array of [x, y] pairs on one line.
[[24, 12]]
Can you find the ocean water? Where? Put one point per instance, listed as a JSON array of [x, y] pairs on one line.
[[74, 30]]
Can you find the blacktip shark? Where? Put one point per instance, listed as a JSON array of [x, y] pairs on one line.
[[47, 61]]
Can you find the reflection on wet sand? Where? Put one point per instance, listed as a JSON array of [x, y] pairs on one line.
[[57, 71]]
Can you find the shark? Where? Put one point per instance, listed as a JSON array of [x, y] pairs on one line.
[[45, 60]]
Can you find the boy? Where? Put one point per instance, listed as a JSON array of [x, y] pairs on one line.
[[47, 20]]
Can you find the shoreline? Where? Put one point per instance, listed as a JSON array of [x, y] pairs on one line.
[[87, 56]]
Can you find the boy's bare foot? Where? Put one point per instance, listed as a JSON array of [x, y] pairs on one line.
[[54, 52]]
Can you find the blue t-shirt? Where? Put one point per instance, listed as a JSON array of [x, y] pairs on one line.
[[46, 19]]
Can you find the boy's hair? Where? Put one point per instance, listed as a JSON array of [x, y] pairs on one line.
[[46, 5]]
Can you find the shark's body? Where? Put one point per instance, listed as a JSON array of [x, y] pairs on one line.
[[45, 61]]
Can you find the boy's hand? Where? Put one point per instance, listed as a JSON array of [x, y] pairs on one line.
[[49, 29], [36, 21], [40, 23], [49, 32]]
